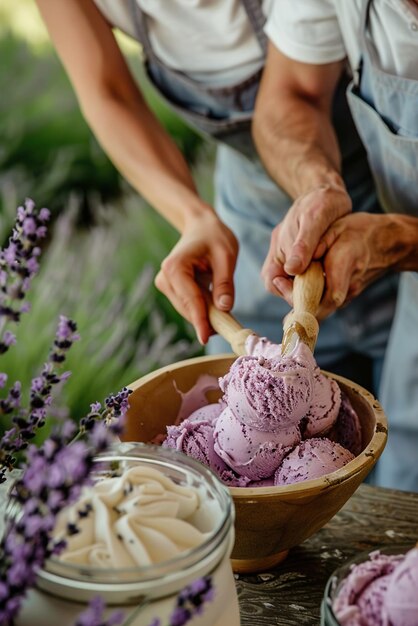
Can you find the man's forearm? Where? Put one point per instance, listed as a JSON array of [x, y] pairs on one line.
[[292, 125], [146, 155], [297, 144]]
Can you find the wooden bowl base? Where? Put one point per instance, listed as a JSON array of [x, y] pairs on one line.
[[254, 566]]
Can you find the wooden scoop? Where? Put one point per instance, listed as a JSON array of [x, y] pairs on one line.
[[228, 327], [301, 324]]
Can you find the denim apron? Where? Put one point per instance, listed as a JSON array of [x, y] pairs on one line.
[[251, 204], [385, 109]]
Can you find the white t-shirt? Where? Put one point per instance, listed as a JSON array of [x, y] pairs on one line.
[[323, 31], [210, 40]]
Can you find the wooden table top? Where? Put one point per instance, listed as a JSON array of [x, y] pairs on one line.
[[291, 594]]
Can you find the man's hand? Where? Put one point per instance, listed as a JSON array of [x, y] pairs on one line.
[[361, 247], [299, 237], [206, 246]]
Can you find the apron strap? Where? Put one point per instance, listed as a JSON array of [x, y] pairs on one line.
[[252, 8], [141, 29], [257, 19], [362, 33]]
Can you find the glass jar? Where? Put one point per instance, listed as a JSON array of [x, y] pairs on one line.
[[63, 590], [335, 580]]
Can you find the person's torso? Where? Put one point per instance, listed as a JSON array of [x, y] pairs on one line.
[[212, 41], [384, 104], [393, 26]]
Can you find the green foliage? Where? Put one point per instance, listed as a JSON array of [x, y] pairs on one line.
[[101, 276], [47, 146], [103, 279]]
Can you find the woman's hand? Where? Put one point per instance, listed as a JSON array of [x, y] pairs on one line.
[[206, 246]]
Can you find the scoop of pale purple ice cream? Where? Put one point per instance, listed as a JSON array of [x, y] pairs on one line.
[[209, 412], [361, 597], [401, 601], [310, 459], [347, 428], [250, 452], [194, 437], [325, 405], [270, 394]]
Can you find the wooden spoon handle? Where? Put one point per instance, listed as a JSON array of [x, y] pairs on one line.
[[308, 289], [227, 326], [301, 323]]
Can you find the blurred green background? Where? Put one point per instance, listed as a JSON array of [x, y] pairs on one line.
[[105, 242]]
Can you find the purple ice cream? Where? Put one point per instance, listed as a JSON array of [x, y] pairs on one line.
[[209, 412], [250, 452], [194, 437], [269, 403], [325, 405], [270, 394], [347, 428], [310, 459], [363, 597], [401, 601]]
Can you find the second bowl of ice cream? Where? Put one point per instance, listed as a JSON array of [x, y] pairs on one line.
[[269, 519], [378, 588]]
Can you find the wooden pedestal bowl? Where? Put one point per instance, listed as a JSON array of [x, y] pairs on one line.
[[269, 520]]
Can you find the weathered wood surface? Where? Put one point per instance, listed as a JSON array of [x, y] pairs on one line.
[[291, 594]]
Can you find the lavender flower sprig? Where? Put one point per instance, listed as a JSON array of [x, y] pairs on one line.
[[18, 265], [112, 416], [54, 473], [53, 478], [26, 421], [189, 603], [93, 615]]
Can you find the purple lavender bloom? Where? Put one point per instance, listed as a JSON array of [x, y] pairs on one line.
[[180, 616], [28, 421], [190, 601], [18, 264], [93, 616], [54, 473], [9, 339]]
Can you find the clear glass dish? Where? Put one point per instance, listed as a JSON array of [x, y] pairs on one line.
[[334, 582]]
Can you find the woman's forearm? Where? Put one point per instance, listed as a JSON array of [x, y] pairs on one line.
[[116, 111], [145, 154]]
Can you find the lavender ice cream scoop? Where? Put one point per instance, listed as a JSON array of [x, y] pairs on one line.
[[209, 412], [312, 458], [347, 428], [194, 437], [401, 601], [253, 453], [325, 405], [361, 597], [270, 394]]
